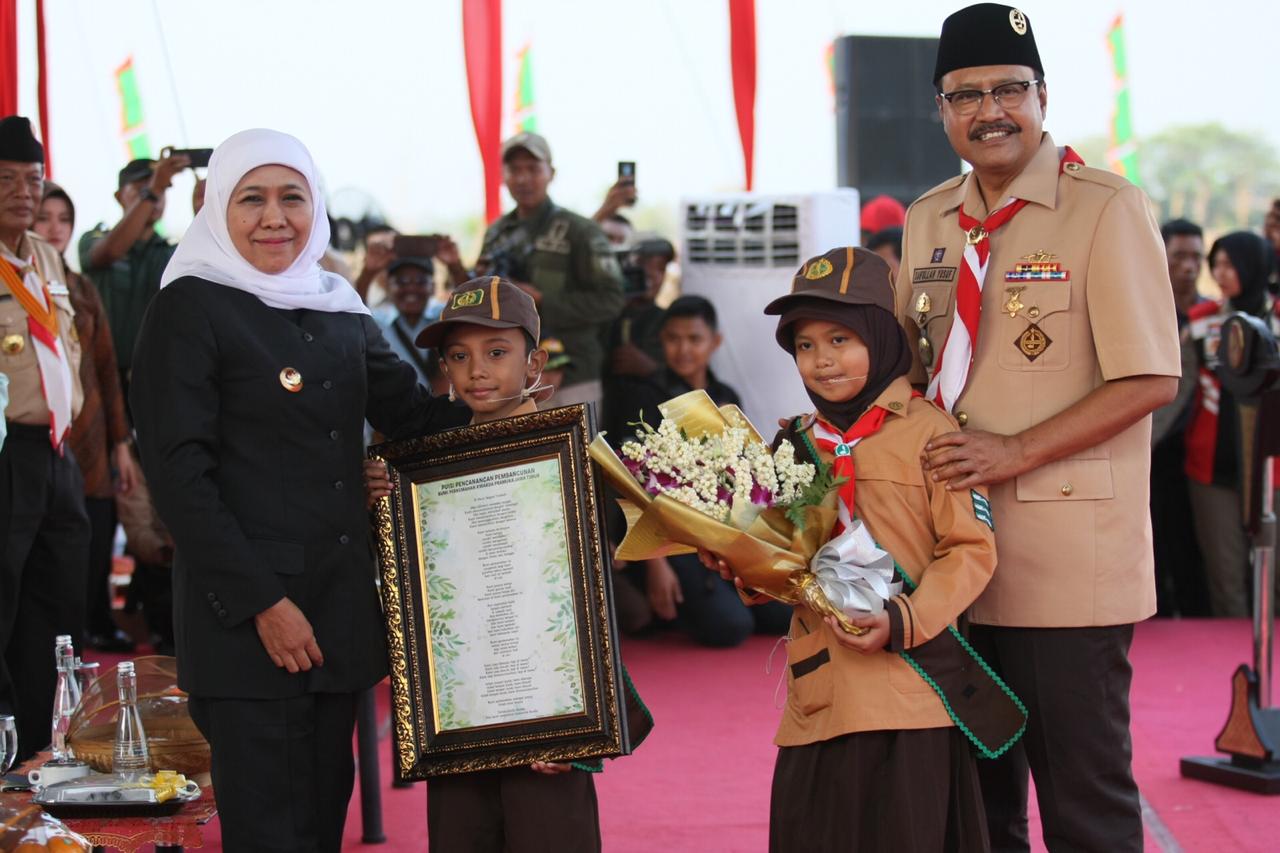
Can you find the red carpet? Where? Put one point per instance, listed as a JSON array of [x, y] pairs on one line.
[[701, 781]]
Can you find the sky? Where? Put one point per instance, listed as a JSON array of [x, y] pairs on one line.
[[377, 89]]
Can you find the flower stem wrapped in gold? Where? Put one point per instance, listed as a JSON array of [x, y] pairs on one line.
[[771, 555]]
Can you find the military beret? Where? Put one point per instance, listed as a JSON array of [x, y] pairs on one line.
[[986, 34]]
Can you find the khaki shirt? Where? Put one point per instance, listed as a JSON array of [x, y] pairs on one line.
[[26, 393], [938, 540], [1074, 535]]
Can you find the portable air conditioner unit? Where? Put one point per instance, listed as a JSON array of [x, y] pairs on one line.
[[740, 252]]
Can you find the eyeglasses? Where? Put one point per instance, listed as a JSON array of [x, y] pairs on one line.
[[1008, 95]]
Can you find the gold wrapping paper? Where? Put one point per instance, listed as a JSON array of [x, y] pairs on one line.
[[771, 556]]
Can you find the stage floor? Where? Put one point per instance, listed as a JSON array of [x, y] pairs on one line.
[[701, 781]]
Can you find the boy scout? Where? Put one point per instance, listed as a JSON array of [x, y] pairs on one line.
[[1036, 292], [562, 260], [44, 551]]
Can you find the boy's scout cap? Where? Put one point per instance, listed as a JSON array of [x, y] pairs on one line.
[[490, 301], [531, 142], [986, 34], [851, 275]]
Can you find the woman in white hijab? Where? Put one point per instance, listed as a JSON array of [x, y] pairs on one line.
[[253, 375]]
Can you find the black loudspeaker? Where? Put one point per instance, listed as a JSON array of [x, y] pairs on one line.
[[889, 137]]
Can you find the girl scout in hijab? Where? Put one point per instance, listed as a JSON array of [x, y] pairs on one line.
[[875, 740], [253, 375]]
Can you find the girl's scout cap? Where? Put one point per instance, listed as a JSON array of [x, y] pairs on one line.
[[851, 275], [490, 301], [986, 34]]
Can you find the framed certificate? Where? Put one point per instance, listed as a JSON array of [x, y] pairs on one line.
[[497, 596]]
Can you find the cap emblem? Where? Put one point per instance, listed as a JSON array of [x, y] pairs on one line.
[[1018, 21], [821, 268], [468, 299]]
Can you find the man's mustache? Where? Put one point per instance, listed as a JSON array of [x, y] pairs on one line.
[[977, 132]]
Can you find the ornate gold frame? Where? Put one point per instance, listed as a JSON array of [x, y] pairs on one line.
[[421, 750]]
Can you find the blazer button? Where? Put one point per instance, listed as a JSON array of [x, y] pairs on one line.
[[344, 539], [339, 485], [308, 337], [326, 385], [222, 613], [333, 433], [1067, 490], [213, 597]]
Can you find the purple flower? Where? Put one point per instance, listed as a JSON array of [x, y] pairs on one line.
[[760, 495]]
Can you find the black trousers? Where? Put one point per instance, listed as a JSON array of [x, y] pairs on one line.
[[102, 525], [283, 769], [514, 810], [714, 613], [1075, 683], [43, 558]]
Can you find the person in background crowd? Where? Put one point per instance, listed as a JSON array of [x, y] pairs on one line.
[[197, 196], [562, 260], [45, 548], [410, 283], [678, 587], [100, 433], [634, 346], [557, 360], [887, 243], [1074, 343], [371, 283], [126, 261], [1181, 588], [617, 227], [880, 213], [1271, 230], [1241, 264]]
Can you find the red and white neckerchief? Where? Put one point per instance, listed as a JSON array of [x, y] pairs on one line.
[[951, 370], [831, 440], [30, 290]]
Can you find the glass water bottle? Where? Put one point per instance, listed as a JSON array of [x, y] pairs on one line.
[[66, 697], [130, 758]]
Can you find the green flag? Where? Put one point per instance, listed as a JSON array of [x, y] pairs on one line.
[[1122, 158], [526, 117], [132, 126]]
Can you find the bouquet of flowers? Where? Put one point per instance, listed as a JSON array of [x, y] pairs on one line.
[[706, 479]]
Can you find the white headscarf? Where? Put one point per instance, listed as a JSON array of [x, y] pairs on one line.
[[206, 249]]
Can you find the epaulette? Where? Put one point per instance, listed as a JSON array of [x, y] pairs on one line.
[[948, 184], [1097, 176]]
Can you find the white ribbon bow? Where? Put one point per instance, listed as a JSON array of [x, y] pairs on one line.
[[855, 573]]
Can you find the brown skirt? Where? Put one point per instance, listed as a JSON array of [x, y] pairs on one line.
[[907, 791]]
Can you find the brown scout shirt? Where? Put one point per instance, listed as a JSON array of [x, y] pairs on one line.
[[26, 394], [1074, 535], [937, 539]]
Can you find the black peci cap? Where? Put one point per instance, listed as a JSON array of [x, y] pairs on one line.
[[986, 34], [17, 143]]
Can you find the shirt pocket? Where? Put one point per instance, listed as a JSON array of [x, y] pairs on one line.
[[1067, 480], [930, 311], [1034, 332], [17, 355], [809, 682]]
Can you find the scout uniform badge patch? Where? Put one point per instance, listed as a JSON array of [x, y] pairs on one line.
[[1033, 342], [468, 299], [820, 268], [1038, 266], [982, 509]]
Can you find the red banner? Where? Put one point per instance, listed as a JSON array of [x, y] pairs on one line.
[[8, 57], [42, 89], [742, 54], [482, 43]]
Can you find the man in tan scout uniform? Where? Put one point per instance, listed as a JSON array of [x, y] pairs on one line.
[[1051, 275], [44, 531]]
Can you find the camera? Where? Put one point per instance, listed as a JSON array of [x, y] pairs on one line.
[[509, 263], [633, 279], [199, 157], [1249, 363]]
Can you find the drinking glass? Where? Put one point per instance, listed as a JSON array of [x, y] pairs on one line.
[[8, 743]]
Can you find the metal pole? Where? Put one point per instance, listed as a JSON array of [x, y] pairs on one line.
[[370, 777], [1264, 585]]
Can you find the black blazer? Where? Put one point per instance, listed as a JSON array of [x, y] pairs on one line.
[[261, 486]]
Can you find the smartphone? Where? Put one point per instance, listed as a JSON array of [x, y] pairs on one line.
[[627, 170], [415, 245], [199, 156]]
